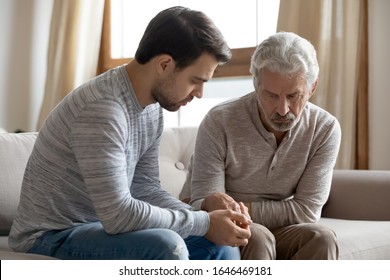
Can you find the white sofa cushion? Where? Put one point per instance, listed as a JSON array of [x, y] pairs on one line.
[[15, 150], [177, 146], [361, 240]]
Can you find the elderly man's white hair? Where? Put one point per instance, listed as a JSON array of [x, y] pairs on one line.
[[285, 53]]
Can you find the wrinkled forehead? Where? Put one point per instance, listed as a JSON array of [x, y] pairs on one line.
[[267, 76]]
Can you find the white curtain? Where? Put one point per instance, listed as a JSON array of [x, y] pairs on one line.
[[333, 26], [73, 51]]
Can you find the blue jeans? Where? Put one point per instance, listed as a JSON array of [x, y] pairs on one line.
[[91, 242]]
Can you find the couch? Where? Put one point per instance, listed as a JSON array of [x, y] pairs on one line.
[[358, 208]]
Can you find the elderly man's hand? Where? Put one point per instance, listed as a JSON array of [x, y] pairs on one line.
[[219, 201]]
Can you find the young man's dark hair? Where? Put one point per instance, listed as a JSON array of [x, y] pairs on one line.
[[184, 34]]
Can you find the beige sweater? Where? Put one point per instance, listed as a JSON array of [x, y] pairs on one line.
[[287, 184]]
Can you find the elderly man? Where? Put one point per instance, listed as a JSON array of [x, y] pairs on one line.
[[273, 150]]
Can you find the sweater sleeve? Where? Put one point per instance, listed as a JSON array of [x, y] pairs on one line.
[[98, 140], [208, 163], [312, 190]]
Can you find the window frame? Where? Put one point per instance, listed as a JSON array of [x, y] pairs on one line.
[[238, 66]]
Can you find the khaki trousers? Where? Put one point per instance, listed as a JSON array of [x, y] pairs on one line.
[[294, 242]]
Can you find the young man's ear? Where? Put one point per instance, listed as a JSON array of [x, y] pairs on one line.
[[164, 63]]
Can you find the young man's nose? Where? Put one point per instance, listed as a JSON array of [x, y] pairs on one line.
[[198, 92]]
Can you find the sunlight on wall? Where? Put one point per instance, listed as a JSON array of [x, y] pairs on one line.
[[258, 18]]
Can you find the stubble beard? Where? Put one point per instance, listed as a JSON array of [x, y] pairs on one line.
[[270, 120], [284, 126], [162, 93]]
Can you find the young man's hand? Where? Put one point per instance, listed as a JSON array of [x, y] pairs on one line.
[[229, 228]]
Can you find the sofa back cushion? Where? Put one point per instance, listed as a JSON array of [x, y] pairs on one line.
[[359, 195], [15, 149], [176, 149]]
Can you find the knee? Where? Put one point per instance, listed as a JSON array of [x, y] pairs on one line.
[[202, 249], [323, 235], [261, 245], [261, 236], [227, 253], [326, 242], [170, 246]]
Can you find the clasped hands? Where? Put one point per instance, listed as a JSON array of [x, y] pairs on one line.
[[229, 220]]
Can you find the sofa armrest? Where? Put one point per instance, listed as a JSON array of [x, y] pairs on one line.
[[359, 195]]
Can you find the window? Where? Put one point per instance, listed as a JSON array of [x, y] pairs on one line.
[[243, 23]]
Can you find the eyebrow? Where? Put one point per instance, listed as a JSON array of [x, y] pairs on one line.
[[291, 93], [200, 79]]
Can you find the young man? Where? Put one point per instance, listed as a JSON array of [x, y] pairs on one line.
[[91, 188], [273, 150]]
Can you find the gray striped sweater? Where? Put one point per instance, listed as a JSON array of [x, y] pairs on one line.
[[96, 159]]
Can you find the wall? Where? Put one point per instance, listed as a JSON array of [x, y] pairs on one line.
[[379, 84], [24, 26], [24, 31]]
